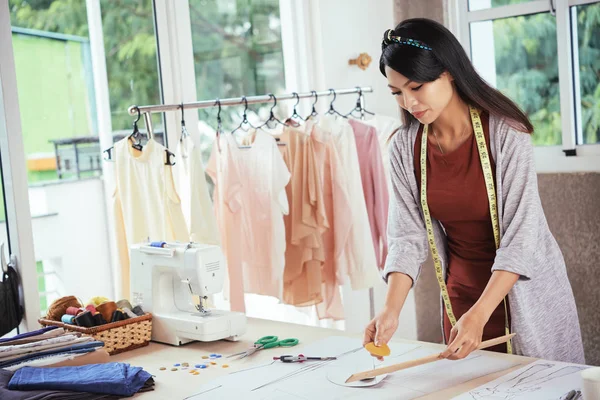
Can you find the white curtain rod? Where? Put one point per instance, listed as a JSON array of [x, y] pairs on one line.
[[133, 110]]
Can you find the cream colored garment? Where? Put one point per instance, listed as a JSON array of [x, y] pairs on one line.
[[357, 260], [385, 126], [193, 190], [146, 204], [251, 203]]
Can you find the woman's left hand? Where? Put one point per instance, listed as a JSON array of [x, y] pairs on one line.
[[465, 336]]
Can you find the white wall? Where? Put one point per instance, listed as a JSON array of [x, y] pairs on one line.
[[348, 28], [70, 237]]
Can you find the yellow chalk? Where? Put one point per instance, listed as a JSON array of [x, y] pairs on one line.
[[380, 351]]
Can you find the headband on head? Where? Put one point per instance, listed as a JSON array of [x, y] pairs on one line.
[[389, 39]]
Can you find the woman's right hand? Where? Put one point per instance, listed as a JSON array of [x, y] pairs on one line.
[[381, 328]]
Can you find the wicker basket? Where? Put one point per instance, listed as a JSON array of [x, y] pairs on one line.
[[117, 336]]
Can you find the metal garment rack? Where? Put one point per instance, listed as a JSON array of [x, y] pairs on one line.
[[236, 101], [146, 111]]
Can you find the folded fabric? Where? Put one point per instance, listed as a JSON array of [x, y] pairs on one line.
[[31, 356], [57, 360], [28, 334], [6, 394], [67, 342], [113, 378], [97, 356], [10, 349], [44, 336]]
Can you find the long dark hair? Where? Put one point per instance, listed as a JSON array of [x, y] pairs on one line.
[[443, 53]]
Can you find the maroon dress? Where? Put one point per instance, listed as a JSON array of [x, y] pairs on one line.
[[457, 198]]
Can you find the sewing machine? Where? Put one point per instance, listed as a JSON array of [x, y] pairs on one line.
[[166, 281]]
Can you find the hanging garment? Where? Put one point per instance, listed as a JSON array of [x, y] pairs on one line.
[[193, 190], [146, 204], [250, 201], [329, 175], [357, 260], [304, 252], [386, 127], [11, 311], [374, 185]]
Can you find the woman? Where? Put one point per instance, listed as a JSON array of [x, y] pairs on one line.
[[508, 278]]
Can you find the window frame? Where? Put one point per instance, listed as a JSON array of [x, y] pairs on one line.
[[549, 159], [16, 194]]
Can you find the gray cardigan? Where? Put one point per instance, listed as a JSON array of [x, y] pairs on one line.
[[543, 312]]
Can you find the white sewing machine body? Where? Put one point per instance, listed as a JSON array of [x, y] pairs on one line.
[[164, 281]]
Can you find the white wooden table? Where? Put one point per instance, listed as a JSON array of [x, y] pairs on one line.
[[174, 385]]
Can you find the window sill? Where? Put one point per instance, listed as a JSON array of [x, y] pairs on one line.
[[551, 159]]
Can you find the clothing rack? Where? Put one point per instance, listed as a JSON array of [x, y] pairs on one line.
[[236, 101], [146, 111]]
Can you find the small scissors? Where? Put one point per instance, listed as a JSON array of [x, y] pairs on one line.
[[266, 342]]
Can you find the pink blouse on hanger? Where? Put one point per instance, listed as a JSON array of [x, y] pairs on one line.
[[250, 201], [374, 182]]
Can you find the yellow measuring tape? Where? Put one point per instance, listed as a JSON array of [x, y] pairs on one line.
[[491, 194]]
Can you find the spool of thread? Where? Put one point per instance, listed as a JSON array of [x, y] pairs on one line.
[[129, 313], [96, 301], [107, 309], [124, 304], [158, 244], [99, 319], [118, 315], [85, 319], [58, 308], [73, 310], [68, 319], [91, 308], [137, 310]]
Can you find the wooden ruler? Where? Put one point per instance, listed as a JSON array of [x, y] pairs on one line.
[[420, 361]]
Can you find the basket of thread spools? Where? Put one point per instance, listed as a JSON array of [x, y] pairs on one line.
[[119, 325]]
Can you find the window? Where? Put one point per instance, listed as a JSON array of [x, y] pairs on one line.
[[131, 61], [475, 5], [522, 63], [545, 56], [57, 101], [237, 52], [587, 20]]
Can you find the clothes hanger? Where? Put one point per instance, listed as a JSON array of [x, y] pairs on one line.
[[184, 134], [272, 117], [333, 111], [295, 113], [244, 118], [359, 108], [314, 112], [219, 125], [184, 131], [135, 133]]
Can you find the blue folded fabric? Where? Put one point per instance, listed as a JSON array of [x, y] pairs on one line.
[[28, 334], [113, 378], [75, 349]]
